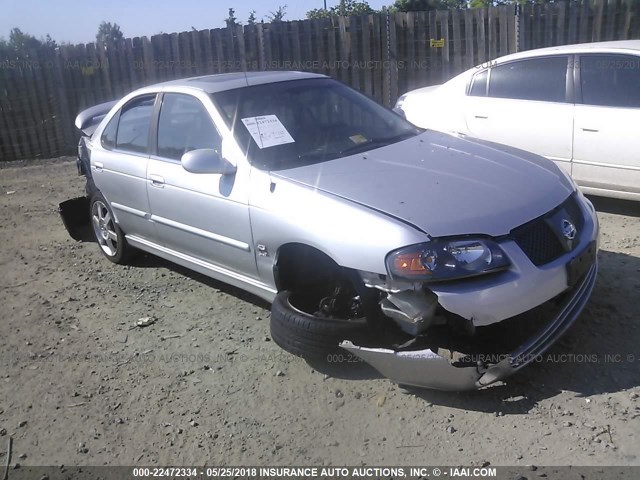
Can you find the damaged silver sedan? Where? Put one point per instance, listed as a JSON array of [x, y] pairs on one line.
[[442, 261]]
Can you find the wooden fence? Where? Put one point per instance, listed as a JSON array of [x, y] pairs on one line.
[[382, 55]]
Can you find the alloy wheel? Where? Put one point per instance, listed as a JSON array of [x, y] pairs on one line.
[[104, 228]]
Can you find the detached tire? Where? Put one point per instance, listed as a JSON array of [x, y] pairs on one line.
[[306, 335]]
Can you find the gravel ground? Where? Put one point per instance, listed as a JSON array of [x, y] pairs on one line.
[[81, 384]]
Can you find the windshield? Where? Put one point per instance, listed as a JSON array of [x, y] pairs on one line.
[[289, 124]]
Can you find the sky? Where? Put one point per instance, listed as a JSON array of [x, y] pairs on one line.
[[76, 21]]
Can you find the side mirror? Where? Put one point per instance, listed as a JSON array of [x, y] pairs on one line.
[[206, 160]]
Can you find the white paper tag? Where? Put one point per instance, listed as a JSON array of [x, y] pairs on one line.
[[267, 131]]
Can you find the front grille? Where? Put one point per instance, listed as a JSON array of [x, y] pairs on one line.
[[572, 207], [538, 241]]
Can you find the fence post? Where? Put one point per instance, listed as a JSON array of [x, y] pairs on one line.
[[516, 20], [386, 86]]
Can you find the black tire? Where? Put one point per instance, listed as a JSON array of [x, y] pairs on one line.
[[106, 231], [309, 336]]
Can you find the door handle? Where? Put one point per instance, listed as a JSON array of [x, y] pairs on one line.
[[594, 130], [98, 166], [156, 181], [481, 117]]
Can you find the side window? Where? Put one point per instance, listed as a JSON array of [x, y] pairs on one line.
[[133, 127], [184, 125], [479, 85], [541, 79], [610, 80], [108, 138]]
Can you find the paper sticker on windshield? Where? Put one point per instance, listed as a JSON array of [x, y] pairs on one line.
[[267, 131], [358, 139]]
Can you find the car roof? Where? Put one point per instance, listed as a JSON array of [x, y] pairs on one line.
[[593, 47], [228, 81]]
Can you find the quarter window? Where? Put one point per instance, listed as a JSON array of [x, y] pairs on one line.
[[184, 125], [610, 80], [541, 79], [133, 127], [109, 133], [479, 86]]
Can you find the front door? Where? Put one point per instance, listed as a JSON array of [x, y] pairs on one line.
[[205, 216]]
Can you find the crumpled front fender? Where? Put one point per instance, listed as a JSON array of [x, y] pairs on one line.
[[425, 368]]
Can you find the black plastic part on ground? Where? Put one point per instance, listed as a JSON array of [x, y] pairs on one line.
[[75, 217]]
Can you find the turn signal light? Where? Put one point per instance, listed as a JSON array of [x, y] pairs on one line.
[[410, 264]]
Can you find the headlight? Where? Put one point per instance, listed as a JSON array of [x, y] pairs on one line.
[[446, 260]]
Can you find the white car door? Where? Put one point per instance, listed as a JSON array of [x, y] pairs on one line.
[[525, 104], [606, 152]]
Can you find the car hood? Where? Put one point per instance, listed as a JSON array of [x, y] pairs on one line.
[[444, 184], [423, 90]]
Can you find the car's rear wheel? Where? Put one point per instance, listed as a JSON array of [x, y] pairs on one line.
[[108, 234], [310, 329]]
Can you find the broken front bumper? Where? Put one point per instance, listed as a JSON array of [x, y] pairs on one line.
[[425, 368]]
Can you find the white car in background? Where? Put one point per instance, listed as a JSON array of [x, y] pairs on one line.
[[578, 105]]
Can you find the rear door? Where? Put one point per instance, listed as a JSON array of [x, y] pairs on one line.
[[119, 168], [606, 153], [525, 104], [205, 216]]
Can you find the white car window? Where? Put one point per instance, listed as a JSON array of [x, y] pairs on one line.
[[542, 79], [610, 80], [479, 85]]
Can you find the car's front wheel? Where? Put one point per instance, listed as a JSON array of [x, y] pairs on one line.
[[298, 328], [108, 234]]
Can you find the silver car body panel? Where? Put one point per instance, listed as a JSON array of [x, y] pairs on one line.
[[315, 218], [121, 180], [231, 277], [443, 184], [425, 368], [88, 120], [523, 286]]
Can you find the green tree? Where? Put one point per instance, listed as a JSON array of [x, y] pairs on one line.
[[489, 3], [344, 9], [252, 18], [231, 20], [318, 13], [49, 42], [109, 33], [422, 5], [278, 15], [24, 46], [23, 43]]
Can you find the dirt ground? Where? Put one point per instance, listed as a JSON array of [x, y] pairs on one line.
[[81, 385]]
